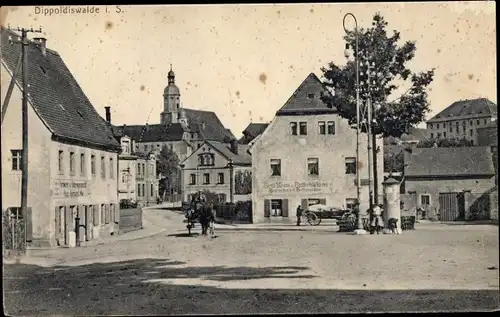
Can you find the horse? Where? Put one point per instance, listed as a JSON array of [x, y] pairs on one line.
[[205, 217]]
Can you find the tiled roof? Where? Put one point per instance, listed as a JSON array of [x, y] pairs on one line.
[[242, 158], [450, 161], [254, 129], [205, 123], [208, 125], [56, 96], [153, 132], [307, 98], [481, 106]]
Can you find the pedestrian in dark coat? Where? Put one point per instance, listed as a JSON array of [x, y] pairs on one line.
[[299, 214]]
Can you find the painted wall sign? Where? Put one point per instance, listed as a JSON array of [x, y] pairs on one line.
[[299, 187], [70, 189]]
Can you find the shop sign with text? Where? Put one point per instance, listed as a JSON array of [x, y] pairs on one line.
[[298, 187], [69, 189]]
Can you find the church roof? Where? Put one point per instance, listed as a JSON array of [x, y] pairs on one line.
[[208, 125], [56, 96], [205, 123], [307, 99]]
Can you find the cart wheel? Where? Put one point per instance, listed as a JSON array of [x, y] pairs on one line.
[[313, 219]]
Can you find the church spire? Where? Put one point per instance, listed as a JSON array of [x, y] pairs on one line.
[[171, 76]]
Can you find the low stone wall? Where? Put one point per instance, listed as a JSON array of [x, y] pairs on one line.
[[130, 220]]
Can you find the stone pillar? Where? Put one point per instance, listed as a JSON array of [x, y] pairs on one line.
[[392, 208]]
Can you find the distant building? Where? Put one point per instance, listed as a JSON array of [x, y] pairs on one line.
[[73, 156], [146, 179], [307, 155], [219, 168], [462, 119], [138, 178], [252, 131], [452, 182], [181, 129]]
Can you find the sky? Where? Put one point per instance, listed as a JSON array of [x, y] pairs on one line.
[[244, 61]]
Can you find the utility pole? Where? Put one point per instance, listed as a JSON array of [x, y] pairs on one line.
[[375, 152], [24, 166]]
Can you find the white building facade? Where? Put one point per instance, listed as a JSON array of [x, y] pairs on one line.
[[307, 155], [73, 157]]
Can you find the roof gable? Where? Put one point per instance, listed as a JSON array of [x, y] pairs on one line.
[[57, 98], [480, 106], [307, 98], [242, 158], [450, 161], [207, 125]]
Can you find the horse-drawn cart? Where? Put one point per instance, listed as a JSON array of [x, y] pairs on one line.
[[198, 213]]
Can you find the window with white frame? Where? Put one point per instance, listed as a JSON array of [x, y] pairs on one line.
[[72, 166], [303, 128], [111, 168], [322, 127], [82, 164], [313, 166], [220, 179], [60, 162], [425, 200], [92, 164], [126, 146], [192, 179], [276, 207], [330, 128], [103, 167], [17, 157], [206, 178], [293, 128], [275, 167], [350, 165]]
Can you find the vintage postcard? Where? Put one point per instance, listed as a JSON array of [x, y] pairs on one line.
[[249, 158]]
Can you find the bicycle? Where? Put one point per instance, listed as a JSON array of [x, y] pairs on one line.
[[311, 218]]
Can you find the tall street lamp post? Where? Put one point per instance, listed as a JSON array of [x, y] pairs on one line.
[[360, 229]]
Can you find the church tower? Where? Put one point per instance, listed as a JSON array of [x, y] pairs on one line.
[[171, 101]]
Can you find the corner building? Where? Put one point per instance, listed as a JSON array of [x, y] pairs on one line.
[[307, 155], [73, 156]]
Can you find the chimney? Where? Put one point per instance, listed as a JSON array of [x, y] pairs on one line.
[[108, 114], [42, 44], [234, 146]]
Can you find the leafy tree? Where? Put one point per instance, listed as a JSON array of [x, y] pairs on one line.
[[394, 162], [168, 168], [447, 142], [394, 116], [243, 182]]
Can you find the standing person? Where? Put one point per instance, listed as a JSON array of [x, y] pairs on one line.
[[299, 214]]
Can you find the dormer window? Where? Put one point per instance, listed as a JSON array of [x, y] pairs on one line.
[[310, 96], [206, 159]]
